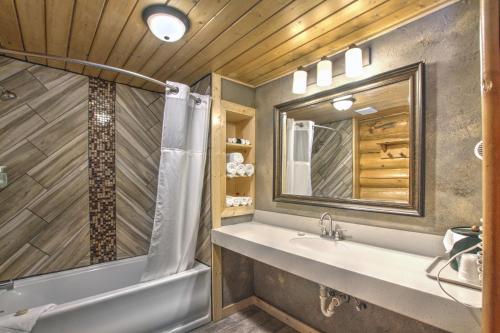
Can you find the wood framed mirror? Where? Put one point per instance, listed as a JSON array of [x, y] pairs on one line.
[[359, 146]]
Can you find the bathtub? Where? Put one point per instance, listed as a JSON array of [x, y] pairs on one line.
[[109, 298]]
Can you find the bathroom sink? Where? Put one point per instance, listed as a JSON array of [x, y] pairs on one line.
[[316, 243]]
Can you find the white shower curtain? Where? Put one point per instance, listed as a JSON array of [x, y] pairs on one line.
[[299, 141], [180, 184]]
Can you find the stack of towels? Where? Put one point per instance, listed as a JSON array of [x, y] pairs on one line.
[[238, 140], [238, 201], [235, 166]]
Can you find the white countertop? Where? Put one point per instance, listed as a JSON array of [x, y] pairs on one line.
[[392, 279]]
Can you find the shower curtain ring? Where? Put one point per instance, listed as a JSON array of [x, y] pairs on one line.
[[173, 90]]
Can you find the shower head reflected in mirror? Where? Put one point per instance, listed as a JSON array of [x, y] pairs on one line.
[[6, 95]]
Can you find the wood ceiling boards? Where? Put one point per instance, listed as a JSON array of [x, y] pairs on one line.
[[252, 41]]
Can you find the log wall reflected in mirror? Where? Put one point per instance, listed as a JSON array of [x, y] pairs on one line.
[[359, 146]]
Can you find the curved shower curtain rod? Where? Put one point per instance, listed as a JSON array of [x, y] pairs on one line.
[[169, 88]]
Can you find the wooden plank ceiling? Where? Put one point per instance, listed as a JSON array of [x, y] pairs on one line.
[[253, 41]]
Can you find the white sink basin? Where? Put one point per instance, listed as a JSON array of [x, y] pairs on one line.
[[392, 279], [316, 243]]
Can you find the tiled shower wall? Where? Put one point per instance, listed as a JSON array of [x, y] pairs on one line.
[[47, 135], [331, 160], [43, 142]]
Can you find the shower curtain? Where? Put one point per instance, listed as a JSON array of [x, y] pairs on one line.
[[180, 184], [299, 142]]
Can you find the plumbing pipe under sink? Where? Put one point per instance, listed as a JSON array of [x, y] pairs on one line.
[[329, 310]]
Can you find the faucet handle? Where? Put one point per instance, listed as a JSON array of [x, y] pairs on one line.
[[339, 233]]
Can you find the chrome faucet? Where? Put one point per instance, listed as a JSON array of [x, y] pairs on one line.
[[7, 285], [334, 232], [324, 232]]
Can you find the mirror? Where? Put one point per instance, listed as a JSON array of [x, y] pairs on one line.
[[359, 146]]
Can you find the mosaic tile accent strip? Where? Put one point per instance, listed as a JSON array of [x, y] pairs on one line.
[[102, 174]]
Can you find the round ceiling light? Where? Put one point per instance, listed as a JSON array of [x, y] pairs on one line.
[[165, 22], [343, 103]]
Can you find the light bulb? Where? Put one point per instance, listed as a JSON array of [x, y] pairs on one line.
[[353, 62], [299, 81], [324, 72]]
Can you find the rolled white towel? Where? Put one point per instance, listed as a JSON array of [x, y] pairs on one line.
[[244, 201], [247, 142], [234, 157], [249, 169], [250, 201], [231, 168], [240, 169], [229, 201], [236, 201]]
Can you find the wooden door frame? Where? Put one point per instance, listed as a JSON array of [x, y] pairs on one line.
[[490, 105]]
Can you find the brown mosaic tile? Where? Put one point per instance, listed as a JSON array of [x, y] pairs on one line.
[[102, 177]]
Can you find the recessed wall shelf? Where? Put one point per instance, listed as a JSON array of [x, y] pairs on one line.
[[238, 211], [229, 120], [237, 146], [239, 177], [240, 123]]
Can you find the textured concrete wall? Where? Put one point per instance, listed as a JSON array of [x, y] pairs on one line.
[[237, 277], [448, 42], [237, 93], [300, 298]]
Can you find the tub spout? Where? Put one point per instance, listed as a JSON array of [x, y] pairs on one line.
[[7, 285]]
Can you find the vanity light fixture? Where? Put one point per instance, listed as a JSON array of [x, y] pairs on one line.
[[343, 103], [324, 72], [353, 61], [299, 81], [165, 22]]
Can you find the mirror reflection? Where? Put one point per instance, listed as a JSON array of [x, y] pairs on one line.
[[349, 146]]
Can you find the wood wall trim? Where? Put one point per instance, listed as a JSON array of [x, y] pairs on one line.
[[238, 306], [490, 101], [272, 311]]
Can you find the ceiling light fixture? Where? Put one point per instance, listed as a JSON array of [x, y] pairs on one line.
[[324, 72], [165, 22], [353, 62], [299, 85], [343, 103]]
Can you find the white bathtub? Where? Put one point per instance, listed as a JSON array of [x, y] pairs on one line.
[[109, 298]]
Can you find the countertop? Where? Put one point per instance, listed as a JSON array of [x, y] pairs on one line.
[[392, 279]]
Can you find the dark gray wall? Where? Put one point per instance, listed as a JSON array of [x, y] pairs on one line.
[[300, 298], [237, 93], [447, 41], [237, 277]]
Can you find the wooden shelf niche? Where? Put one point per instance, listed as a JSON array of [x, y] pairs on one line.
[[240, 123]]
